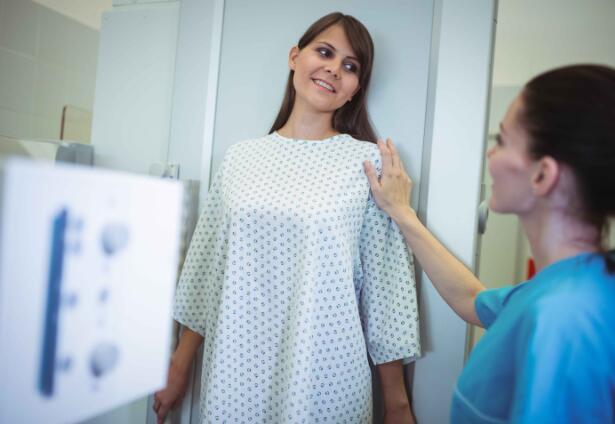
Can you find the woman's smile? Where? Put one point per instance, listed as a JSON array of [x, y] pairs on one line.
[[324, 85]]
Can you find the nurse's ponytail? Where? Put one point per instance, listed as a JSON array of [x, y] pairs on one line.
[[569, 114]]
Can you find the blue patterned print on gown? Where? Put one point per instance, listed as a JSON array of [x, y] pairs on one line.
[[291, 274]]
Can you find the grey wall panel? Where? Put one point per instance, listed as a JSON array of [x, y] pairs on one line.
[[257, 37]]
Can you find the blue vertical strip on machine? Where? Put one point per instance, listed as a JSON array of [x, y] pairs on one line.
[[52, 312]]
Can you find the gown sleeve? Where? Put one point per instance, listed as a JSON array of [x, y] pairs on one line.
[[388, 304], [199, 284]]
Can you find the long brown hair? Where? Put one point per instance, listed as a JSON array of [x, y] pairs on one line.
[[352, 118]]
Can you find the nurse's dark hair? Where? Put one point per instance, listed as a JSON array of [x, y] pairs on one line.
[[352, 118], [569, 115]]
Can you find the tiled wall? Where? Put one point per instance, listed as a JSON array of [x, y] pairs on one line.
[[47, 61]]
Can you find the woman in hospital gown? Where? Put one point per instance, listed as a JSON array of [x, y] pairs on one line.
[[293, 274]]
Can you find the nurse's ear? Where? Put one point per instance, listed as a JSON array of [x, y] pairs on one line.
[[292, 57], [546, 176]]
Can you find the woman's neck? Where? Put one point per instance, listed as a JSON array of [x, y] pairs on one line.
[[556, 235], [308, 125]]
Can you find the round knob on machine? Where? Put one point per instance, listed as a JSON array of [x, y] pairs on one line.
[[114, 237], [103, 359]]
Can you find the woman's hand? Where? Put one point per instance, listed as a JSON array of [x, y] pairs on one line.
[[392, 192], [172, 395]]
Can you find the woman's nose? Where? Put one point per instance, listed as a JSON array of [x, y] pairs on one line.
[[333, 69]]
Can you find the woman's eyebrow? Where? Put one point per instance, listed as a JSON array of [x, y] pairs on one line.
[[335, 50]]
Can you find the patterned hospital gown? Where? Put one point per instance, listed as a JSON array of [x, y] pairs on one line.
[[291, 274]]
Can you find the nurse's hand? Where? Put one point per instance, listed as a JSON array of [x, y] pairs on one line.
[[172, 395], [392, 192]]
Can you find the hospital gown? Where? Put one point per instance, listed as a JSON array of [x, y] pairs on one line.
[[291, 274]]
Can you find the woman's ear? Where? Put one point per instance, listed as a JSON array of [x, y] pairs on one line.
[[292, 57], [546, 176]]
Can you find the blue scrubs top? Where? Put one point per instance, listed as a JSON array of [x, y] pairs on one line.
[[548, 355]]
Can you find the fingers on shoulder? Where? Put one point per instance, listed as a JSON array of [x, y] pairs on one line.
[[385, 154], [372, 175], [398, 169]]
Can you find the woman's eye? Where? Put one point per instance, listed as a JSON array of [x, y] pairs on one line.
[[324, 52], [498, 139], [351, 67]]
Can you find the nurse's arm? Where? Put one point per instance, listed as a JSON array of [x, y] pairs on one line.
[[455, 283]]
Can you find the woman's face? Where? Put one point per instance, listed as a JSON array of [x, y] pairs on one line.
[[326, 71], [511, 166]]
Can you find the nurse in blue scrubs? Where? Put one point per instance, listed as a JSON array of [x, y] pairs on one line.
[[548, 355]]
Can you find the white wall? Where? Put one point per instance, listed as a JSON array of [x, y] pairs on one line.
[[195, 72], [533, 36], [134, 90], [460, 88], [46, 61]]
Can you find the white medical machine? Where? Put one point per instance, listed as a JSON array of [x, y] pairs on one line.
[[88, 264]]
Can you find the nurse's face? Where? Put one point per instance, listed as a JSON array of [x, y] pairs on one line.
[[326, 71], [511, 167]]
